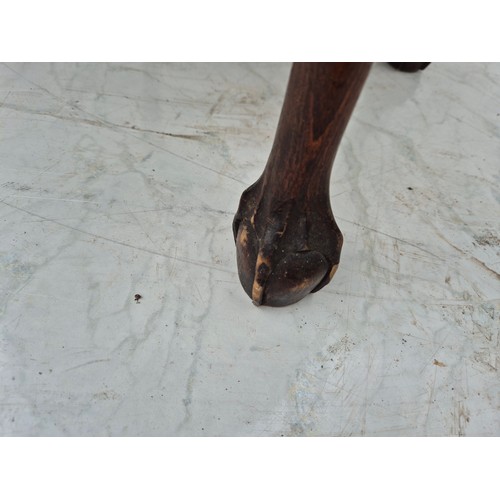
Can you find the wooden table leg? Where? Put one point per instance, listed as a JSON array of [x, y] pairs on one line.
[[287, 241]]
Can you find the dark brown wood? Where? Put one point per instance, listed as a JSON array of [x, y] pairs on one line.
[[288, 243], [409, 67]]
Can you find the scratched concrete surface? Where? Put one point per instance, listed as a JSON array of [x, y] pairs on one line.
[[122, 179]]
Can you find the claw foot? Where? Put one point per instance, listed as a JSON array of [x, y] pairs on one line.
[[285, 249]]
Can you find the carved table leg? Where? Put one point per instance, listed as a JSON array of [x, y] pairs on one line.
[[287, 241]]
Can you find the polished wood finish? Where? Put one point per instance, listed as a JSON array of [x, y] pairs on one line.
[[288, 243]]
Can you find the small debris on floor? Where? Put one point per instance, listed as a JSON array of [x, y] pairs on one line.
[[137, 297]]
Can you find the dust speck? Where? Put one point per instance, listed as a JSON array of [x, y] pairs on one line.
[[438, 363]]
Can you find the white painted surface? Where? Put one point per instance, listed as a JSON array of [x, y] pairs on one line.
[[123, 179]]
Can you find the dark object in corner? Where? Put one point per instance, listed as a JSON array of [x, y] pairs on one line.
[[409, 67]]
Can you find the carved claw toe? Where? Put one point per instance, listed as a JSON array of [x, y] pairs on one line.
[[294, 277]]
